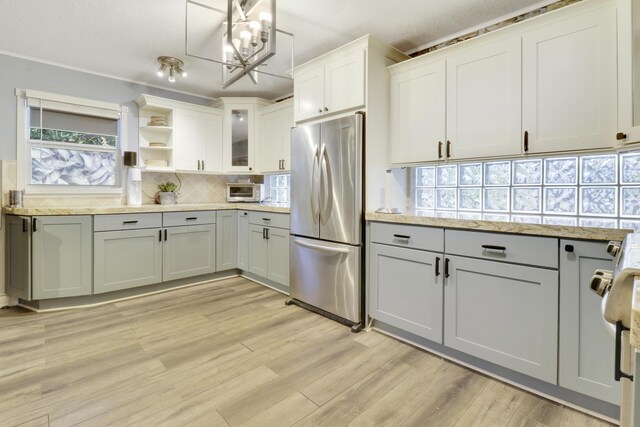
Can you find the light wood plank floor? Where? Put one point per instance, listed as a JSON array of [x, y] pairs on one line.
[[231, 353]]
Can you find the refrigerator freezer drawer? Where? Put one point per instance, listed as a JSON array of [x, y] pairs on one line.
[[327, 276]]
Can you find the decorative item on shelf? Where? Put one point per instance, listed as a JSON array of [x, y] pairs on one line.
[[246, 37], [171, 65], [388, 184], [157, 144], [158, 121], [15, 198], [134, 179], [167, 194]]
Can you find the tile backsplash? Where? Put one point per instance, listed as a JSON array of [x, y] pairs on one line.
[[194, 188], [600, 190]]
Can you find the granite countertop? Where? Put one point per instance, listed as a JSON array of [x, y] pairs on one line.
[[559, 231], [105, 210]]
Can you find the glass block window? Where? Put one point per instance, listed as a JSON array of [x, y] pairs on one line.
[[279, 188], [601, 190], [71, 144]]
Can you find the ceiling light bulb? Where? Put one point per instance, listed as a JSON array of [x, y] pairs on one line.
[[184, 74], [172, 78], [265, 21], [255, 31], [245, 36], [160, 73]]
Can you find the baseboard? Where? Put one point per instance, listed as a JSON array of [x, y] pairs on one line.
[[6, 300]]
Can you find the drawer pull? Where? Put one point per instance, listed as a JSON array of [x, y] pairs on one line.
[[129, 222], [266, 219], [569, 248], [494, 248], [402, 236], [192, 218]]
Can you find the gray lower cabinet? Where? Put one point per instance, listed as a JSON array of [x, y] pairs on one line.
[[126, 259], [406, 289], [586, 346], [61, 256], [269, 253], [226, 240], [18, 256], [504, 313], [189, 251], [243, 240], [278, 255], [258, 250]]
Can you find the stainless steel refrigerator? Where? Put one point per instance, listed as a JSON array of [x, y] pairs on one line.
[[326, 217]]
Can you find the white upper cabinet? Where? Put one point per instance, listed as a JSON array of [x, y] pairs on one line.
[[192, 141], [239, 132], [570, 83], [484, 101], [418, 114], [328, 85], [628, 71], [274, 142], [198, 137]]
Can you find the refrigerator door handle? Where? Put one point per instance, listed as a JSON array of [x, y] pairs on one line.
[[321, 247], [314, 189], [323, 163]]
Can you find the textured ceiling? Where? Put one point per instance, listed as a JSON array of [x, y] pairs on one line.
[[122, 38]]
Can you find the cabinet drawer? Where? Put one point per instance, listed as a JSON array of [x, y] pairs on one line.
[[540, 251], [269, 219], [172, 219], [127, 221], [409, 236]]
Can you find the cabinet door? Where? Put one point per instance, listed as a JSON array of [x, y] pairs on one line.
[[190, 139], [278, 255], [418, 114], [286, 141], [61, 256], [570, 83], [18, 256], [484, 101], [243, 240], [271, 141], [629, 70], [189, 251], [258, 251], [503, 313], [213, 143], [226, 240], [586, 345], [126, 259], [238, 148], [344, 82], [308, 93], [406, 290]]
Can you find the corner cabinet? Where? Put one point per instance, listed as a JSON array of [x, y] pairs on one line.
[[586, 344], [49, 256], [274, 140], [239, 132]]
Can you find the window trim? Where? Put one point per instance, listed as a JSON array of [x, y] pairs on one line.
[[78, 105]]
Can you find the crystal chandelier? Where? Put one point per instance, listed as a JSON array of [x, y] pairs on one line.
[[242, 38]]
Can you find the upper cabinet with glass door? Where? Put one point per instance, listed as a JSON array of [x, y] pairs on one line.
[[628, 71], [239, 132]]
